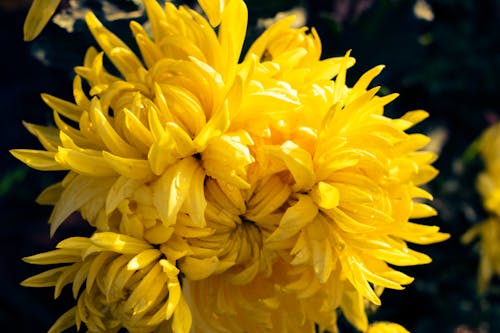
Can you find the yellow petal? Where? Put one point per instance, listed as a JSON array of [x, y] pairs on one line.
[[339, 88], [80, 279], [173, 188], [227, 159], [175, 294], [267, 198], [84, 163], [119, 243], [117, 51], [322, 259], [47, 135], [98, 263], [415, 117], [137, 129], [197, 269], [129, 167], [38, 159], [183, 144], [81, 190], [65, 108], [75, 243], [50, 195], [118, 264], [44, 279], [151, 53], [183, 319], [346, 222], [64, 322], [157, 18], [39, 14], [59, 256], [365, 79], [232, 34], [143, 259], [213, 9], [65, 278], [357, 278], [299, 163], [145, 292], [196, 204], [115, 143], [122, 188], [215, 127], [325, 195], [158, 234], [386, 327], [294, 219], [162, 154], [420, 210], [353, 308]]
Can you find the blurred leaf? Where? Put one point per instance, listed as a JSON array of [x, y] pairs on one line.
[[12, 178]]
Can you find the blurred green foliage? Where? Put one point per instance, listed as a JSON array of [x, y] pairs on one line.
[[449, 65]]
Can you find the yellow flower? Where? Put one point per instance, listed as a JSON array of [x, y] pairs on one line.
[[488, 185], [488, 181], [280, 194], [385, 327], [118, 281], [39, 14]]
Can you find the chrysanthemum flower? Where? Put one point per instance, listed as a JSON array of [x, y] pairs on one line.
[[275, 191], [488, 181], [488, 231]]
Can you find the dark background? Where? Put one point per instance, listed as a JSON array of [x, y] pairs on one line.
[[449, 66]]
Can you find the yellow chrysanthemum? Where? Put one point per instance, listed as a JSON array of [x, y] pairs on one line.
[[488, 185], [125, 282], [488, 181], [385, 327], [279, 193]]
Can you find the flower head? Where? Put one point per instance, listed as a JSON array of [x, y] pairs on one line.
[[488, 185], [270, 190], [488, 181]]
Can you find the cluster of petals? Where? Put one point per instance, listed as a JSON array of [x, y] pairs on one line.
[[226, 195], [488, 185]]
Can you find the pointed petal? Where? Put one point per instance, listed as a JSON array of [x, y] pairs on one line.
[[64, 322], [39, 14], [294, 219], [172, 188], [143, 259], [119, 243], [38, 159]]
